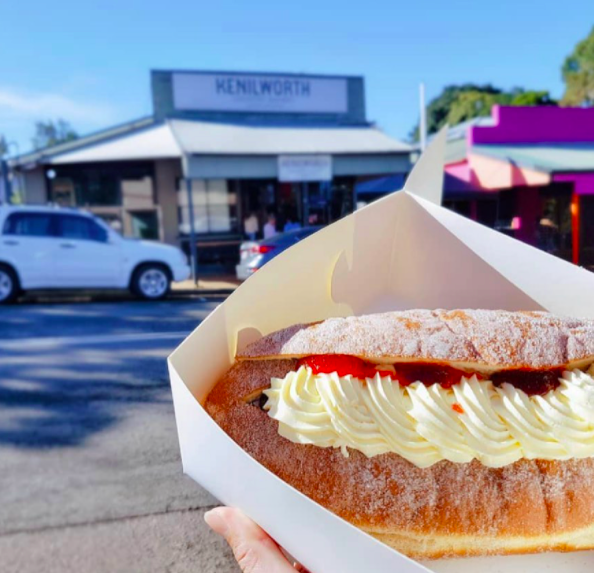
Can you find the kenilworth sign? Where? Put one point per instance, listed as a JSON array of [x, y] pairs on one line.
[[262, 93]]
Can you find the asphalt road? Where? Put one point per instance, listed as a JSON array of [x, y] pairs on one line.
[[90, 475]]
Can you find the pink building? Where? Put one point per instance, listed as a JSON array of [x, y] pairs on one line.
[[529, 172]]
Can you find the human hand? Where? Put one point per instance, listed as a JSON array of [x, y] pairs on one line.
[[254, 549]]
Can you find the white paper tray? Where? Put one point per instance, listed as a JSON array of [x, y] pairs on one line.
[[401, 252]]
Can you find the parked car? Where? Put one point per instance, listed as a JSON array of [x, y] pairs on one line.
[[58, 248], [255, 254]]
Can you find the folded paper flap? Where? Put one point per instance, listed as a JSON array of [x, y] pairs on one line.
[[426, 178], [402, 252], [554, 284]]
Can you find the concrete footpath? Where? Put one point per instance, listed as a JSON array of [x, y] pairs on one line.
[[90, 474], [224, 284], [175, 542]]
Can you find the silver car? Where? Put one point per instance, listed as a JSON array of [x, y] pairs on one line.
[[253, 255]]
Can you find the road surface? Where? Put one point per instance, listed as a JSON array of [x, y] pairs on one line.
[[90, 475]]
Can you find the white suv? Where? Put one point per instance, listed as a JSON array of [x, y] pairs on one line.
[[55, 248]]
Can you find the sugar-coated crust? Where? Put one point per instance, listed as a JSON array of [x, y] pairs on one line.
[[491, 338], [448, 509]]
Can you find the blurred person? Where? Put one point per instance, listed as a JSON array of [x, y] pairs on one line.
[[254, 549], [270, 227], [291, 225], [251, 226]]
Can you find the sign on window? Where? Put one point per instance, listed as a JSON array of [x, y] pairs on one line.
[[294, 168]]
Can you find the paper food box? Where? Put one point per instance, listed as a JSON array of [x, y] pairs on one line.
[[404, 251]]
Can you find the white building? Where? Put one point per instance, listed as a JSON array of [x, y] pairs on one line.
[[295, 146]]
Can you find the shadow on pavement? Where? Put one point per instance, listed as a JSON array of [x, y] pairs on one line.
[[64, 378], [102, 318], [64, 397]]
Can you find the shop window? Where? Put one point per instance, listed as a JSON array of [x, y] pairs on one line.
[[85, 190], [215, 207], [128, 184], [553, 222]]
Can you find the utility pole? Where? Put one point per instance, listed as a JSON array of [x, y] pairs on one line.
[[4, 182], [423, 117], [10, 176], [193, 250]]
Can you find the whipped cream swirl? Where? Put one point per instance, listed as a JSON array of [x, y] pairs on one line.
[[425, 424]]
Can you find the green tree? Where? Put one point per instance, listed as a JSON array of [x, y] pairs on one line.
[[456, 104], [531, 98], [48, 133], [439, 107], [474, 104], [3, 146], [578, 74]]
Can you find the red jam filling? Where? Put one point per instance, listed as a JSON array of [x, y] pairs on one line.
[[530, 381]]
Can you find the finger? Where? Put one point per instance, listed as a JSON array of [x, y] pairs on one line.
[[255, 551]]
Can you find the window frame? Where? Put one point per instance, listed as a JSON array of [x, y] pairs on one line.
[[52, 228], [89, 220]]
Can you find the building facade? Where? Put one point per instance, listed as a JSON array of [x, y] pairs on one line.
[[229, 148], [529, 172]]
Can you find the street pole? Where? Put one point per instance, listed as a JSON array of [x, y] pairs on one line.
[[423, 119], [193, 250], [13, 176], [3, 181]]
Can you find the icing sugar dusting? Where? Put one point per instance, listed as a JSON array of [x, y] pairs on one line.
[[491, 337]]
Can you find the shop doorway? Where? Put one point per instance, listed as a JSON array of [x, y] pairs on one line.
[[328, 201], [586, 214], [270, 199], [295, 204]]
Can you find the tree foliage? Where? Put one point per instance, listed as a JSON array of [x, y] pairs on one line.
[[578, 74], [439, 107], [48, 133], [458, 103], [3, 146]]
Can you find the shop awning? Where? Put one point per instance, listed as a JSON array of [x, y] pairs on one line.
[[381, 184], [547, 157], [204, 138], [216, 150]]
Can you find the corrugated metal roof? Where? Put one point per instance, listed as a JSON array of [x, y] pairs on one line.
[[41, 155], [549, 157], [455, 150], [156, 142], [197, 137], [457, 136], [146, 139], [461, 129]]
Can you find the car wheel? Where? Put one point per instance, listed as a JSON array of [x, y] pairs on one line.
[[151, 282], [9, 285]]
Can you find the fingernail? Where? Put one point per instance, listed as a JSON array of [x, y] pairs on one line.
[[216, 522]]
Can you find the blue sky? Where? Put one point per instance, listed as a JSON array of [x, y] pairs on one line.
[[89, 62]]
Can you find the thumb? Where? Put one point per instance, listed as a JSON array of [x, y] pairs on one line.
[[254, 549]]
